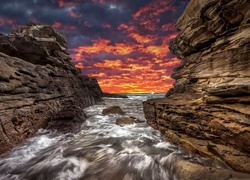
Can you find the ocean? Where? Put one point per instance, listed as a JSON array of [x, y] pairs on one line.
[[101, 150]]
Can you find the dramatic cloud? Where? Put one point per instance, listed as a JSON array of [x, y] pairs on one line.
[[123, 43]]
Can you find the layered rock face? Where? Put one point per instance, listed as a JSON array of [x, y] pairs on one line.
[[39, 86], [208, 110]]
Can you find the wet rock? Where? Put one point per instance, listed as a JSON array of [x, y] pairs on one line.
[[207, 111], [122, 121], [191, 171], [38, 83], [113, 110], [68, 120]]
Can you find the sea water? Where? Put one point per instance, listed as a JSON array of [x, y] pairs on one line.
[[101, 150]]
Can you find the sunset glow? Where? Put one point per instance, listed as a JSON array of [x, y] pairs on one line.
[[124, 44]]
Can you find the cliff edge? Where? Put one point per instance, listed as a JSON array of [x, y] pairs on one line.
[[208, 110], [39, 86]]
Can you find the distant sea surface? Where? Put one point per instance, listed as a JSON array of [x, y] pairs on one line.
[[144, 96]]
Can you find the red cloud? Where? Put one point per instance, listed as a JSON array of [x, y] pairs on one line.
[[98, 1], [139, 74], [75, 15], [148, 71], [112, 64], [134, 77], [168, 27], [63, 3], [59, 25], [5, 21], [142, 39], [101, 45], [106, 25], [154, 9], [138, 63]]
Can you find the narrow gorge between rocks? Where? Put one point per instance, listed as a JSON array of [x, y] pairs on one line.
[[53, 127], [101, 150], [104, 150]]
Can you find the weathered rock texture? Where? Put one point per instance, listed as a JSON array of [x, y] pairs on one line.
[[208, 110], [38, 85]]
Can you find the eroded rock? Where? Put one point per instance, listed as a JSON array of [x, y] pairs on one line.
[[38, 83], [207, 111]]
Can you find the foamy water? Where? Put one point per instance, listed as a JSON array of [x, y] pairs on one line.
[[101, 150]]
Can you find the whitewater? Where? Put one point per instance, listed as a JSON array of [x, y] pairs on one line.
[[101, 150]]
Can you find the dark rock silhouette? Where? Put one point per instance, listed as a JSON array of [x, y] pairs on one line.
[[39, 84], [114, 95]]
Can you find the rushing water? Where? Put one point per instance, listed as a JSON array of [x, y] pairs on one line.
[[101, 150]]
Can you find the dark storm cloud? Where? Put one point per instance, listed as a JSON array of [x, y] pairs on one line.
[[97, 14], [101, 20], [117, 41], [23, 10]]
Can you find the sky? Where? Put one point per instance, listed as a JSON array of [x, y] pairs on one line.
[[122, 43]]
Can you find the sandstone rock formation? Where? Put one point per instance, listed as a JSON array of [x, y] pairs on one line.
[[208, 110], [193, 171], [39, 84]]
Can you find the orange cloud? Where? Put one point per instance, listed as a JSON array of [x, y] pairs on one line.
[[159, 51], [114, 84], [102, 45], [134, 77], [139, 74], [125, 52], [142, 39], [79, 65], [144, 64], [98, 75], [112, 64]]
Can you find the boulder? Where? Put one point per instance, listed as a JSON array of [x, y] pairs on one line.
[[122, 121], [113, 110]]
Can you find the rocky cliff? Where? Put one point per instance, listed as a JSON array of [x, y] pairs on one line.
[[39, 87], [208, 110]]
